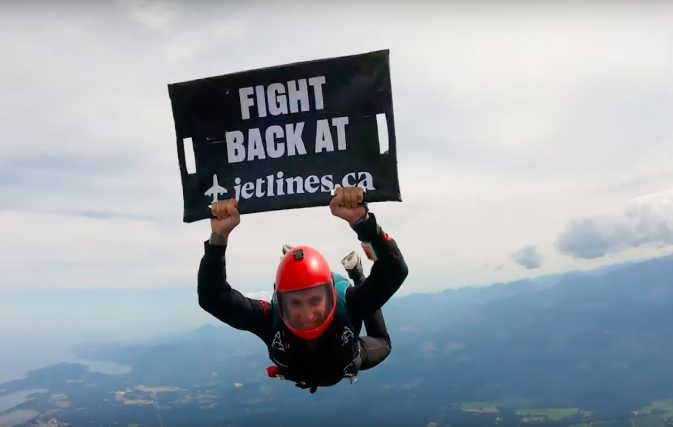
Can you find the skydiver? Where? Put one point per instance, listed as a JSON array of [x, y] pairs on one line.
[[377, 341], [312, 325]]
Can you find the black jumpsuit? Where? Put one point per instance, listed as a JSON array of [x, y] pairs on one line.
[[364, 301]]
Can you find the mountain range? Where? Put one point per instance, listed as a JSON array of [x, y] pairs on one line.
[[577, 348]]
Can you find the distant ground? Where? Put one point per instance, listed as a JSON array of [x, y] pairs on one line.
[[75, 397], [590, 350]]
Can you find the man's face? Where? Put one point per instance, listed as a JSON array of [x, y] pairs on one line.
[[306, 309]]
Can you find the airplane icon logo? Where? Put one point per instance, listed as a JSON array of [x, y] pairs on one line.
[[215, 190]]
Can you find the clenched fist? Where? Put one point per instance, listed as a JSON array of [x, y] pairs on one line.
[[226, 217], [345, 203]]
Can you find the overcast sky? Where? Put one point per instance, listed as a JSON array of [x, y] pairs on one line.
[[531, 139]]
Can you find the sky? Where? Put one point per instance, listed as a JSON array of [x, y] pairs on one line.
[[532, 139]]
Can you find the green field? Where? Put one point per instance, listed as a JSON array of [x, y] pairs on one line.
[[654, 420], [644, 418], [554, 414], [648, 421], [661, 405], [616, 423], [478, 407]]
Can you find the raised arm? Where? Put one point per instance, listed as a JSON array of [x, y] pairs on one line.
[[387, 274], [389, 270], [217, 297]]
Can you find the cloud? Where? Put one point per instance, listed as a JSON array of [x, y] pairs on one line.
[[528, 257], [646, 220], [503, 137], [153, 13], [261, 295]]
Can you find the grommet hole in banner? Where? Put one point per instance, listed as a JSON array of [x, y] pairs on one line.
[[382, 126], [190, 161]]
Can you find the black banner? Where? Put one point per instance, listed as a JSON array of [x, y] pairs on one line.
[[284, 137]]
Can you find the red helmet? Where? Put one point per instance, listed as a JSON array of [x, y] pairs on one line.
[[305, 294]]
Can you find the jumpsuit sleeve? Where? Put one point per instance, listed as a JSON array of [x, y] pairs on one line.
[[217, 297], [387, 274]]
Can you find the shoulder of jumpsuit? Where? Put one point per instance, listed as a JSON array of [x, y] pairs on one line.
[[342, 285], [276, 314]]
